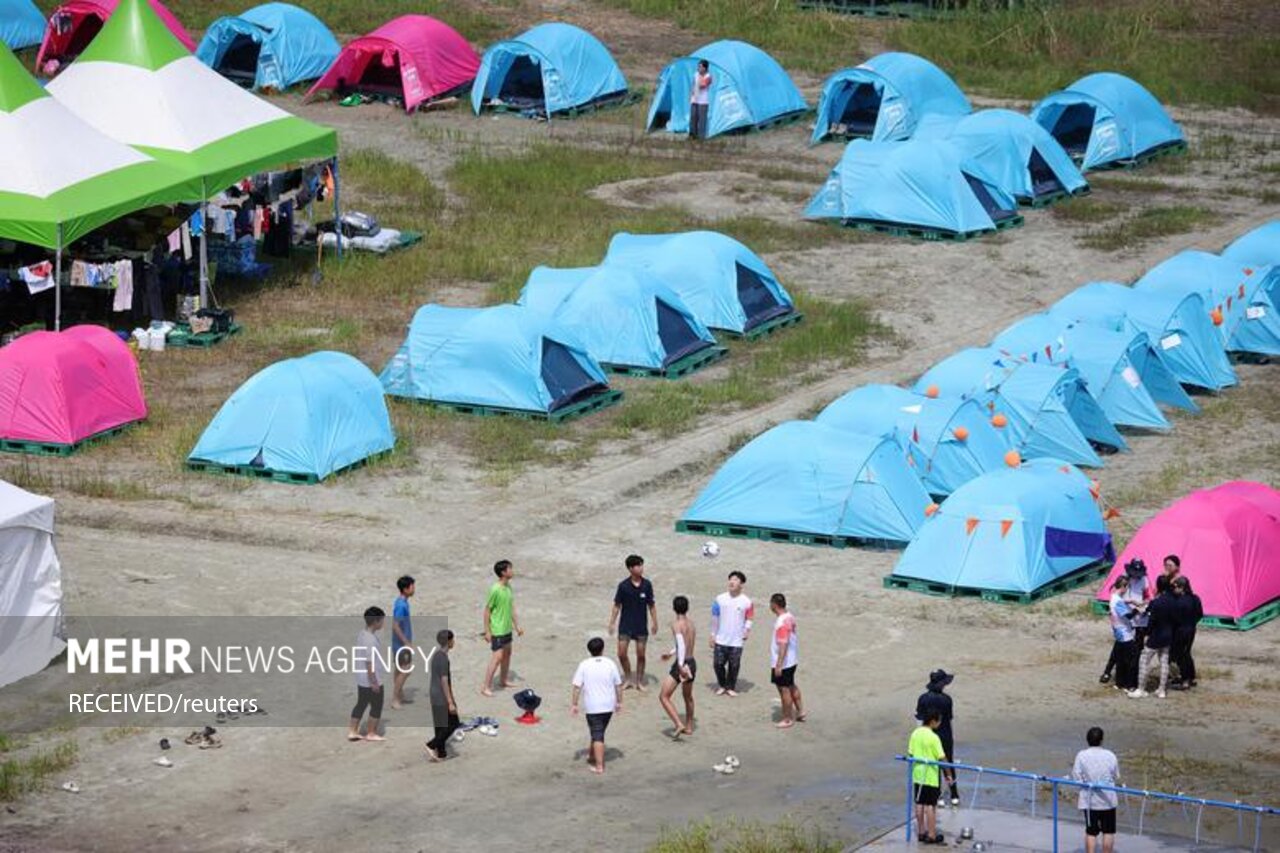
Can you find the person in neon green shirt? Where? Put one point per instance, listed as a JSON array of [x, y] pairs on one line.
[[926, 746], [499, 623]]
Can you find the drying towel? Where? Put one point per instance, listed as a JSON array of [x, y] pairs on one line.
[[38, 277], [123, 300]]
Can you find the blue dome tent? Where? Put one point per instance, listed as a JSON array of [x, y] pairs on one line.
[[21, 24], [1243, 300], [299, 420], [624, 317], [809, 483], [922, 188], [884, 98], [1178, 322], [1015, 153], [947, 441], [504, 360], [748, 89], [272, 46], [1014, 535], [549, 69], [1260, 247], [1049, 412], [1122, 371], [1106, 119], [725, 284]]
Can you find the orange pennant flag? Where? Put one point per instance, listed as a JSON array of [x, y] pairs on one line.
[[1005, 526], [1241, 291], [1111, 513], [970, 524]]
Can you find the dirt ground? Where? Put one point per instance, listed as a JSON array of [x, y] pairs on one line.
[[1026, 687]]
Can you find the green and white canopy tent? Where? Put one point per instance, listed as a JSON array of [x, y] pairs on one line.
[[60, 178], [139, 85]]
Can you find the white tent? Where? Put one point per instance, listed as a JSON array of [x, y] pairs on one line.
[[30, 585]]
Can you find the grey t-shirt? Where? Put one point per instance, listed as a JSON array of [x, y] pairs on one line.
[[438, 669], [1099, 766]]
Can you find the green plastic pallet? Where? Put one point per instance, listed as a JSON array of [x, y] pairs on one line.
[[691, 363], [771, 534], [203, 340], [625, 99], [577, 410], [1053, 198], [919, 232], [1078, 578], [49, 448], [764, 330], [1158, 153], [1252, 619], [256, 473]]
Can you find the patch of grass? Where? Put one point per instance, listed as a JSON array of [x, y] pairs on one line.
[[1175, 48], [1269, 196], [119, 733], [1263, 684], [1144, 186], [1149, 224], [22, 775], [745, 837], [1087, 209]]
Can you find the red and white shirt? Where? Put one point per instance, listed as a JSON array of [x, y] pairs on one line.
[[784, 632]]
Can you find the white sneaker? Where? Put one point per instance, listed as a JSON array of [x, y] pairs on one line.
[[1138, 694], [1159, 694], [955, 801]]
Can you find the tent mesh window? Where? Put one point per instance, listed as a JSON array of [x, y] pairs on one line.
[[678, 338], [564, 377], [758, 302], [988, 202], [240, 62], [1073, 129], [1043, 180], [861, 111], [522, 86]]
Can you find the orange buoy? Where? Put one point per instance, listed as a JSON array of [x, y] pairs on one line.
[[930, 510], [1013, 459], [961, 433], [1216, 316], [999, 421], [931, 392]]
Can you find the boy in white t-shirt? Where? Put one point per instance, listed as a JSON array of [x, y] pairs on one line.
[[784, 657], [599, 685], [370, 669], [731, 615]]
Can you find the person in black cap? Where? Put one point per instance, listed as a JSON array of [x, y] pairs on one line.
[[934, 701]]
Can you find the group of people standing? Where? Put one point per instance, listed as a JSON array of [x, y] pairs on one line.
[[598, 684], [1152, 625]]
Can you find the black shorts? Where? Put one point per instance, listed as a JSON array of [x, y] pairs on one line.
[[499, 643], [1100, 822], [786, 679], [597, 723], [693, 670], [926, 795], [641, 637], [404, 660]]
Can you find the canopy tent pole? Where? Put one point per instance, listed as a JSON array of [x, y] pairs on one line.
[[337, 207], [57, 284], [204, 246]]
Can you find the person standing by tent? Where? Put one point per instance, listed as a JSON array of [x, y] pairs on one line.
[[1138, 593], [500, 626], [401, 640], [1124, 647], [683, 670], [700, 101], [1097, 766], [1172, 567], [934, 701], [784, 658], [731, 615], [926, 748], [1160, 613], [370, 669], [632, 600], [1188, 611], [598, 684], [444, 706]]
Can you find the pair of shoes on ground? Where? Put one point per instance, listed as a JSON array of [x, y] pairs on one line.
[[729, 766], [936, 839], [1140, 693]]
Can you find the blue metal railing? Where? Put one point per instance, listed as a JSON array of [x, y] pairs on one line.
[[1055, 782]]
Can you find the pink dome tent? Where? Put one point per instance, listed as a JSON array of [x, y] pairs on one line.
[[74, 24], [59, 389], [414, 57], [1227, 538]]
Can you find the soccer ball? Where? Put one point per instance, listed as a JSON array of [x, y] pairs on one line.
[[710, 550]]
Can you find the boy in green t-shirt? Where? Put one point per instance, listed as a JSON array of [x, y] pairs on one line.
[[925, 746], [499, 622]]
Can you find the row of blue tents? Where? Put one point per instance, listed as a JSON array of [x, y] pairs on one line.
[[649, 308], [974, 467]]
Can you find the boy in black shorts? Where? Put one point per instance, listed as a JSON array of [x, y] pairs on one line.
[[633, 601], [683, 670]]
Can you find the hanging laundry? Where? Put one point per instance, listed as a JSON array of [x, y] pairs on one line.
[[175, 241], [195, 225], [186, 242], [123, 300], [38, 277], [79, 274]]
